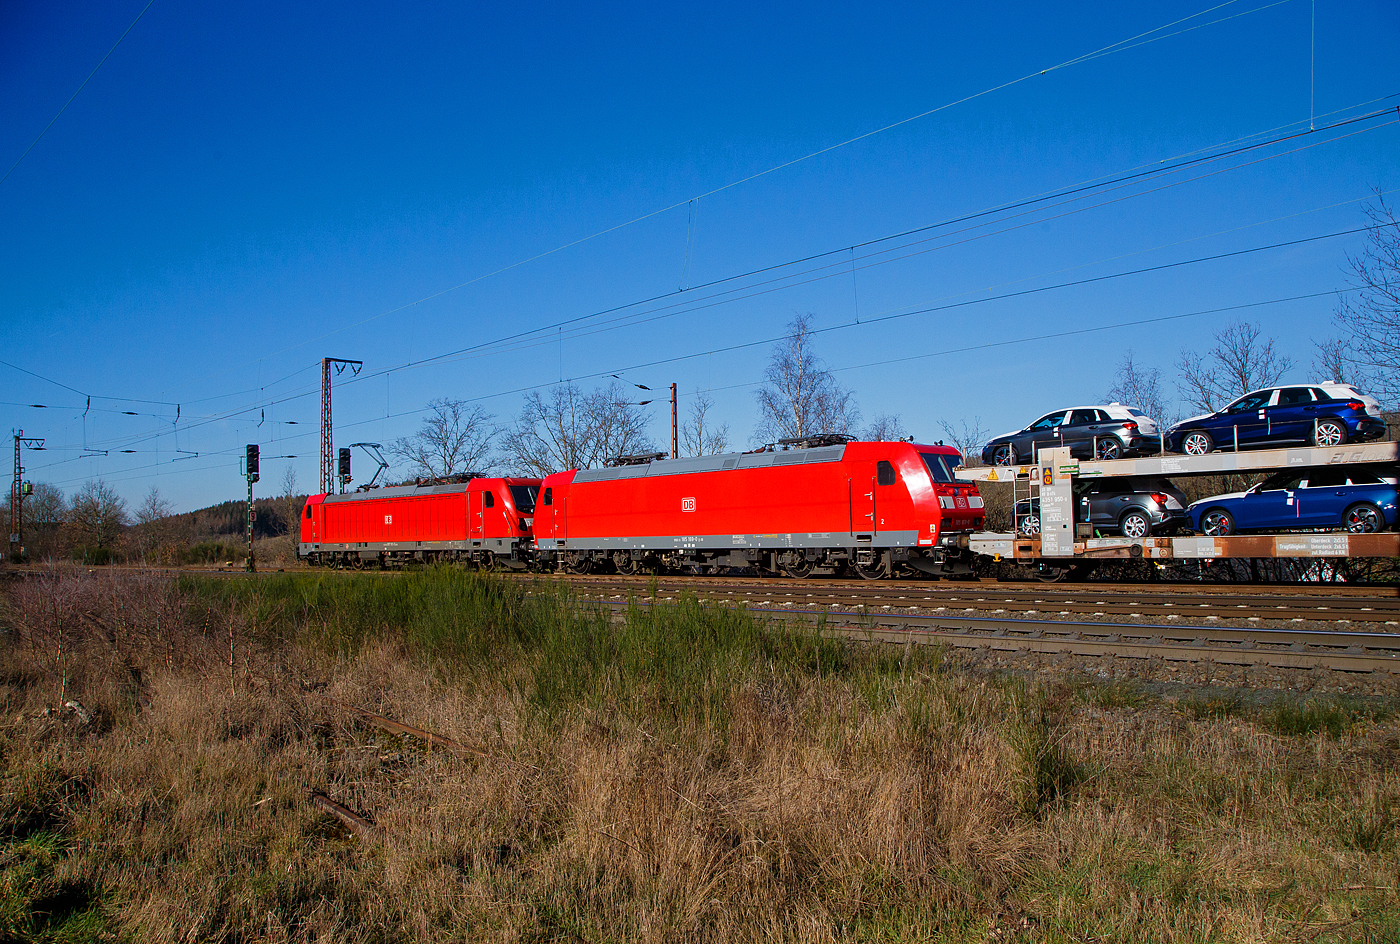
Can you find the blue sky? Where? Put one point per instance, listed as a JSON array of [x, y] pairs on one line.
[[242, 189]]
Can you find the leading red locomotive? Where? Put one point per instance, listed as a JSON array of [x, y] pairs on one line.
[[822, 505], [484, 521]]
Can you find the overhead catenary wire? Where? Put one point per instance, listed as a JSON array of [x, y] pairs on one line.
[[1132, 42], [1163, 166], [74, 96], [559, 326], [877, 318], [892, 316]]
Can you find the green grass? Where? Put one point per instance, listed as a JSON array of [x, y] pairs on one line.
[[680, 661], [1331, 716], [36, 905]]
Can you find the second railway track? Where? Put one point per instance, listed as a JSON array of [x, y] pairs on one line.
[[1325, 604]]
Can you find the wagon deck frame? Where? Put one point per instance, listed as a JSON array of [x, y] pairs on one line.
[[1062, 542]]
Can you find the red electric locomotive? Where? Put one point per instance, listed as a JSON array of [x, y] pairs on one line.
[[482, 521], [820, 506]]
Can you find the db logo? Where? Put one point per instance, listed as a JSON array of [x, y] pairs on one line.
[[687, 504], [388, 519]]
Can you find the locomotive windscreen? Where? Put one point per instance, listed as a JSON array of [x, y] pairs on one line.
[[939, 466], [524, 496]]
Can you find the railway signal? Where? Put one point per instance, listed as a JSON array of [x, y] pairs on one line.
[[251, 471], [18, 490]]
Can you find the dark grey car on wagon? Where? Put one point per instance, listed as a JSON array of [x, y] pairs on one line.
[[1132, 507], [1105, 431]]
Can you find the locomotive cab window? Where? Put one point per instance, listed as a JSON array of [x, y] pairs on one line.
[[308, 512], [490, 500], [938, 467], [549, 496], [524, 496], [884, 473]]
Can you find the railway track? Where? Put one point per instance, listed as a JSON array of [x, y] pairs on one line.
[[1330, 604], [1326, 603], [1363, 652]]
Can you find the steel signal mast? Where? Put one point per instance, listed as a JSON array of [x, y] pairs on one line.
[[327, 443], [17, 493]]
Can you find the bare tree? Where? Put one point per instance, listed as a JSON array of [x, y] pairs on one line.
[[1370, 350], [153, 508], [699, 437], [1135, 385], [1332, 361], [887, 427], [455, 437], [151, 524], [43, 513], [1237, 364], [967, 437], [97, 514], [568, 429], [291, 500], [800, 397]]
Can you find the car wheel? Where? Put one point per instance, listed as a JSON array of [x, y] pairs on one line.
[[1108, 448], [1197, 443], [1029, 525], [1217, 523], [1135, 524], [1004, 455], [1330, 433], [1363, 519]]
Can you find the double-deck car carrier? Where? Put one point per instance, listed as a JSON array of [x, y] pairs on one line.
[[1064, 542]]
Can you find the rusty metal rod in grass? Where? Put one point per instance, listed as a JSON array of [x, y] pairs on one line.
[[356, 822], [398, 727]]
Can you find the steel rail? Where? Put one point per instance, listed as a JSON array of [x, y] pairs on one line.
[[1322, 606], [1343, 651], [984, 587]]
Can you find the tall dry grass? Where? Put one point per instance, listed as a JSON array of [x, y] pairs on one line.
[[684, 774]]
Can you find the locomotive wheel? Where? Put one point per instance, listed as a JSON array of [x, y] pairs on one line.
[[357, 562], [799, 568], [625, 564], [875, 570], [487, 562], [578, 565]]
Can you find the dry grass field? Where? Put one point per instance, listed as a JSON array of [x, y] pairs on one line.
[[685, 775]]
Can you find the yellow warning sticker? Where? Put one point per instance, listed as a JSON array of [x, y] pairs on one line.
[[992, 477]]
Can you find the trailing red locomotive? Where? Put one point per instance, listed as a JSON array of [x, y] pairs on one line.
[[821, 505], [483, 521]]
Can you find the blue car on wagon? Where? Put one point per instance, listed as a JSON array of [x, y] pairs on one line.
[[1322, 414], [1334, 498]]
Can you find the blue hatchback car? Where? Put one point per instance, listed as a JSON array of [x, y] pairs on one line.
[[1328, 499], [1323, 414]]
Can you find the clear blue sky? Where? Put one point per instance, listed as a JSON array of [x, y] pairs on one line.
[[244, 188]]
